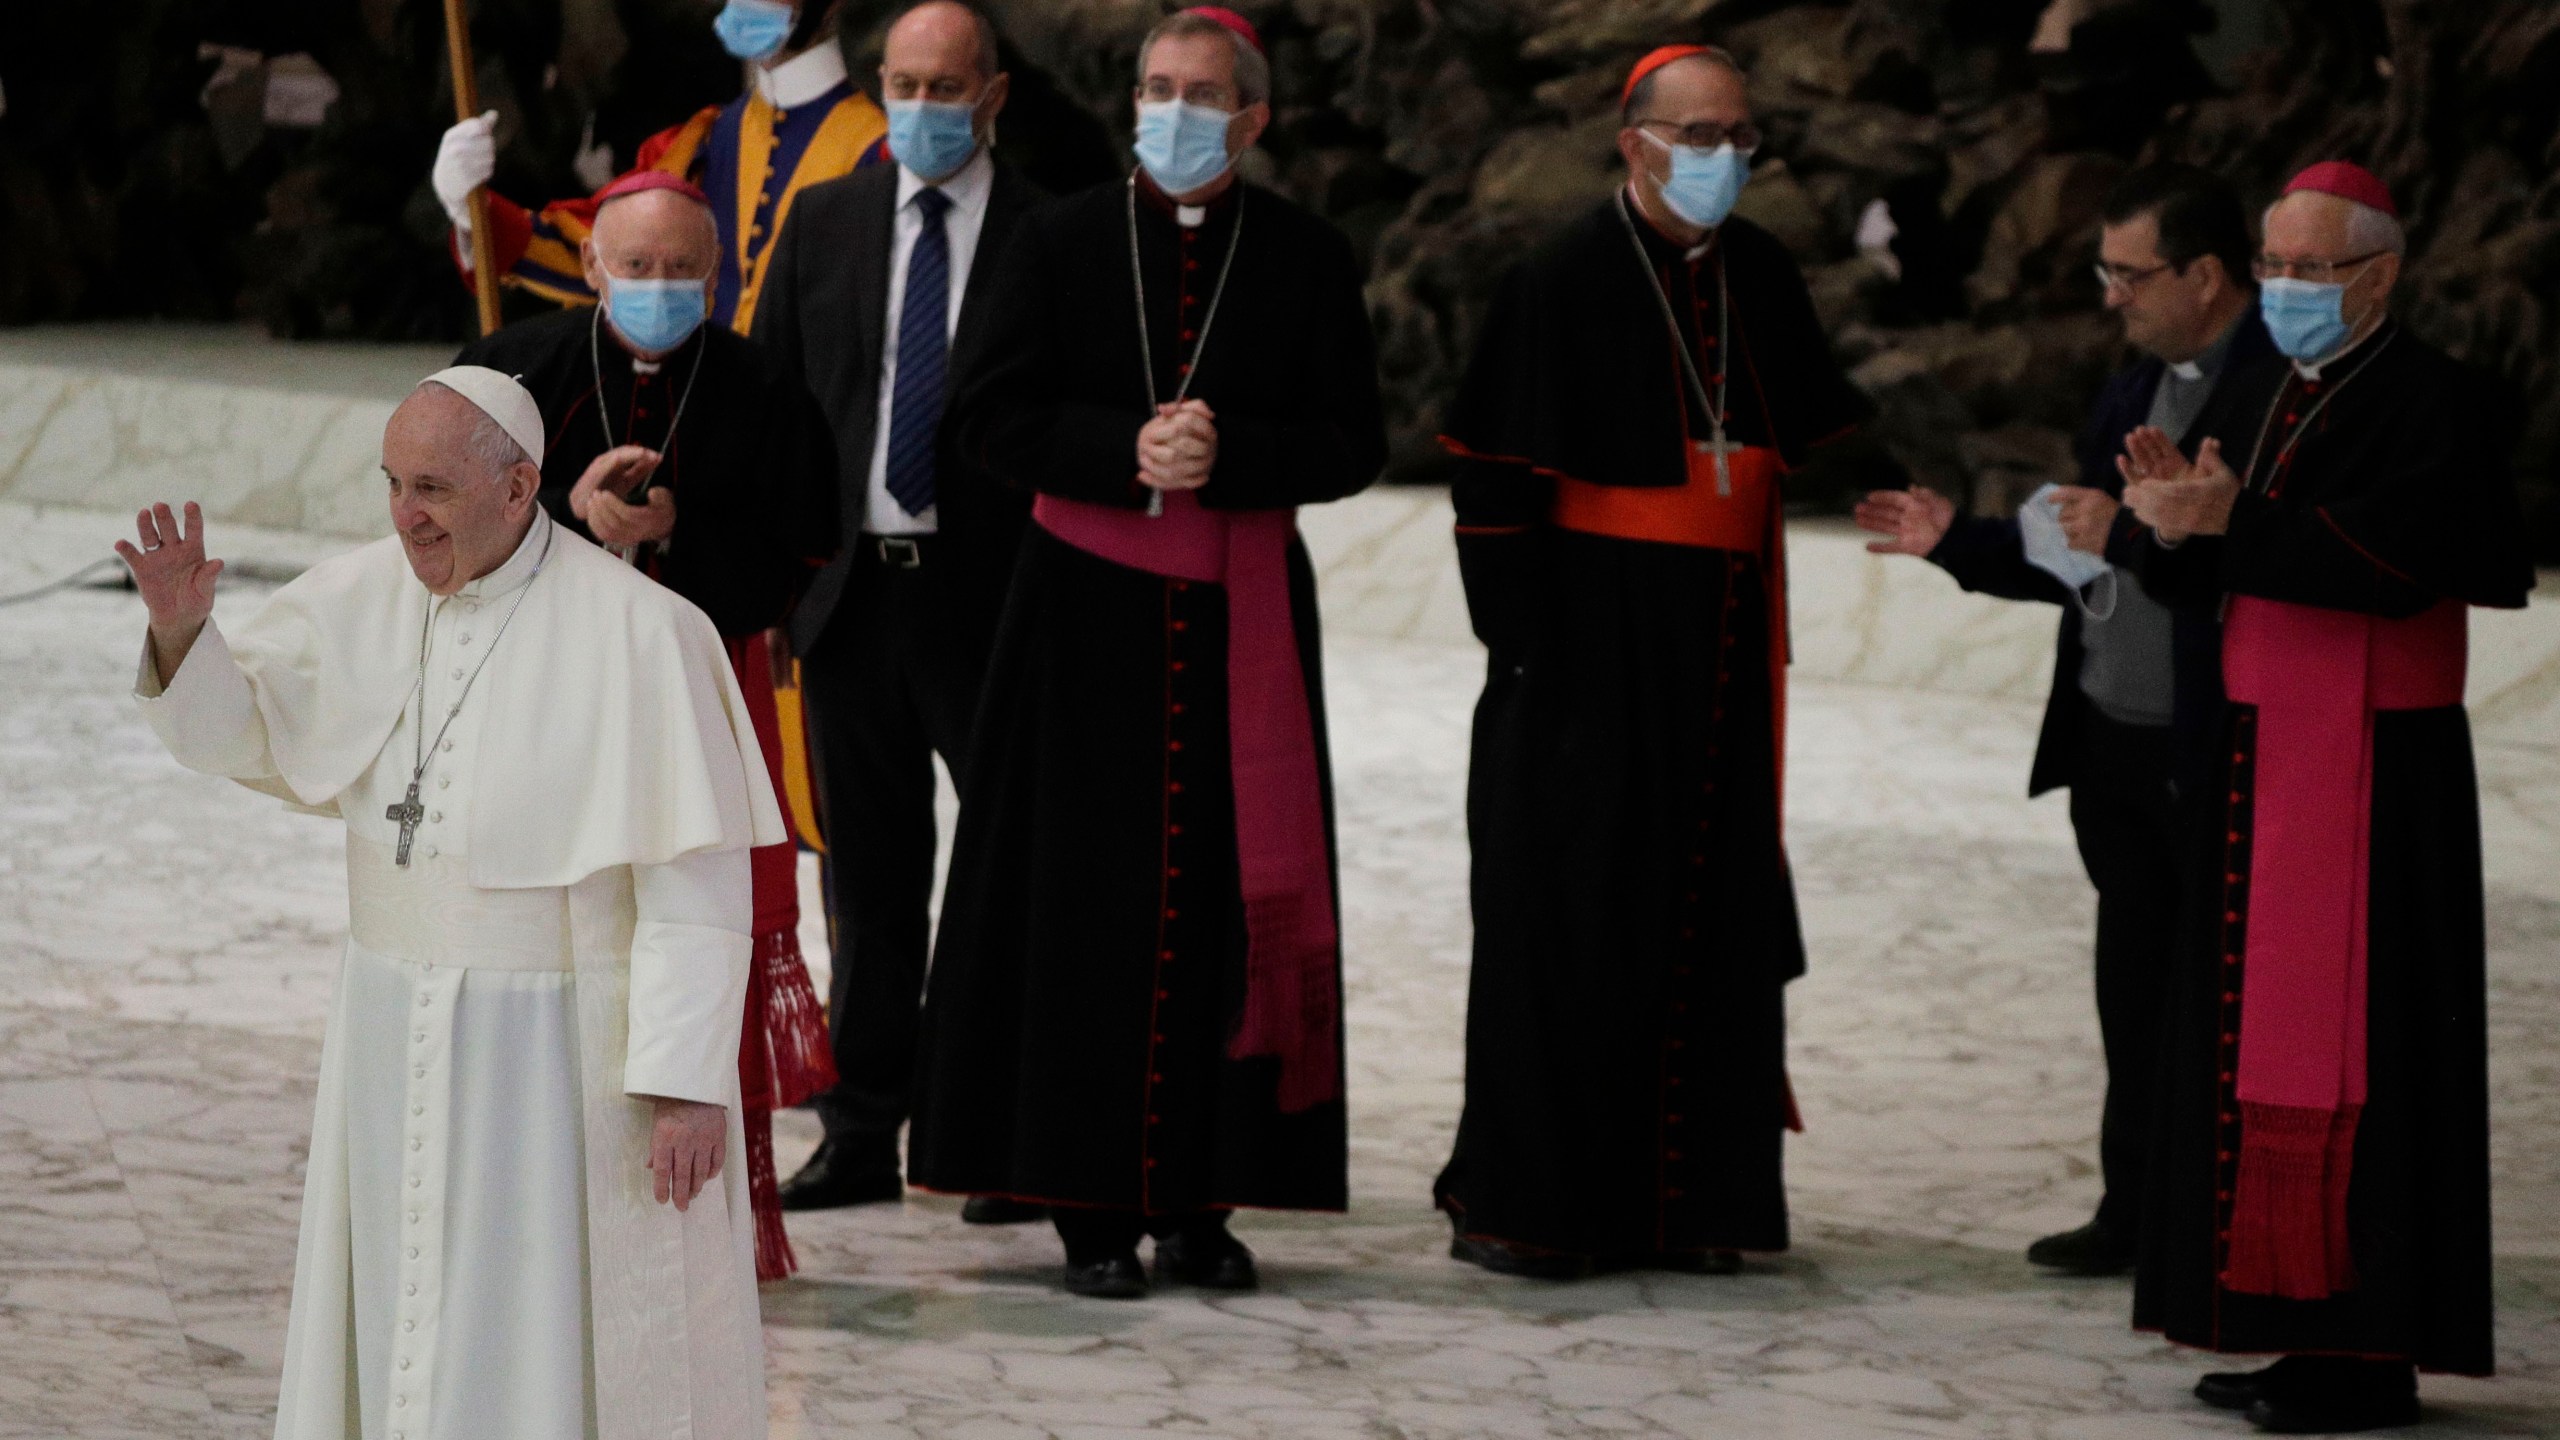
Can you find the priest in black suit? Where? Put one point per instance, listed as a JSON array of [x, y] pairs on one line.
[[1134, 1012], [877, 294]]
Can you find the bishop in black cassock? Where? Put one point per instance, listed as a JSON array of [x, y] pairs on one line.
[[1133, 1014], [2320, 1182], [1619, 533], [745, 473]]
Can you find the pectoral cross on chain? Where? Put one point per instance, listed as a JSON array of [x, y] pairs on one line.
[[1720, 447], [406, 814]]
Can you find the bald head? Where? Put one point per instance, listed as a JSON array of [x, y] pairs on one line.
[[939, 46], [655, 235]]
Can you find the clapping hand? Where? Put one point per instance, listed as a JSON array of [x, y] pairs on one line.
[[175, 579], [1912, 521], [1178, 448], [2172, 496], [599, 498]]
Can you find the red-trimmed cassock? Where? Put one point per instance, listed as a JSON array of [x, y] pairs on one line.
[[2321, 1179], [1135, 997], [751, 466], [1635, 918]]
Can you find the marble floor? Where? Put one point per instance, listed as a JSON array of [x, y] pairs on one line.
[[166, 954]]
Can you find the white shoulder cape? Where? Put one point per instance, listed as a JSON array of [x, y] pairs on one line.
[[613, 731]]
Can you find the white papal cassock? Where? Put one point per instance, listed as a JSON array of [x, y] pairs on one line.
[[482, 1256]]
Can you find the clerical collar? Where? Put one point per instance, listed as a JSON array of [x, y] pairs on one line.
[[966, 188], [2311, 371], [2215, 354], [1667, 245], [802, 78], [1189, 217], [519, 567]]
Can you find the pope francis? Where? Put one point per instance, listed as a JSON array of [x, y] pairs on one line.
[[526, 1215]]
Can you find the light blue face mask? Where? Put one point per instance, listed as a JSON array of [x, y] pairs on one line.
[[655, 316], [2048, 548], [1183, 146], [933, 138], [753, 29], [1704, 184], [2305, 318]]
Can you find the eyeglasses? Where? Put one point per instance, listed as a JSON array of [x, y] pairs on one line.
[[1707, 135], [2126, 277], [2318, 272]]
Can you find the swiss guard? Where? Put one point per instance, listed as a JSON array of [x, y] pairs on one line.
[[802, 121]]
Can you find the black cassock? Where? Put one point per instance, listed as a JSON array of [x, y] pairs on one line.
[[2396, 500], [1635, 919], [751, 464], [1090, 966]]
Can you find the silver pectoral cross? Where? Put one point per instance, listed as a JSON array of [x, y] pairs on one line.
[[1720, 447], [406, 814]]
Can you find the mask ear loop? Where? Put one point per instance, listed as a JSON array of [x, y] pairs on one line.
[[2088, 611]]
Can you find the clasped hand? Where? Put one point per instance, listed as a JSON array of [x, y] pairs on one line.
[[598, 500], [1178, 448], [2175, 497]]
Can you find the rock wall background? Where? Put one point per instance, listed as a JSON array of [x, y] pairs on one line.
[[161, 157]]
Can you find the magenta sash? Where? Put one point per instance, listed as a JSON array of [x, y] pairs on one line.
[[2317, 677], [1292, 1001]]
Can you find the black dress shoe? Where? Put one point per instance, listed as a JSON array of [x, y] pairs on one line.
[[2233, 1389], [1208, 1257], [1504, 1258], [2093, 1249], [1113, 1277], [1697, 1262], [2304, 1414], [1000, 1210], [836, 1176]]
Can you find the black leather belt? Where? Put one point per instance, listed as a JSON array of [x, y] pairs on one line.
[[898, 552]]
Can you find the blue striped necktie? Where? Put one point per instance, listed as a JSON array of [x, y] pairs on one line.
[[924, 344]]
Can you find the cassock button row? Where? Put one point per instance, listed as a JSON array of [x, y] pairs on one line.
[[413, 1252], [444, 782], [1175, 787], [457, 672]]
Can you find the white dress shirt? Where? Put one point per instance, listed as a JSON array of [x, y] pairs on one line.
[[967, 189]]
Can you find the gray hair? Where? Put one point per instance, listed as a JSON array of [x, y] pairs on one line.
[[990, 64], [2368, 230], [1253, 72], [1641, 95], [491, 448]]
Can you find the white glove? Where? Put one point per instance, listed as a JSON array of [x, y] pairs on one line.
[[465, 159]]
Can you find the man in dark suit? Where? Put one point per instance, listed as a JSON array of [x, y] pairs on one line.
[[2136, 686], [876, 296]]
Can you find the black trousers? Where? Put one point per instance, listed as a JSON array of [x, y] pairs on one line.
[[892, 682], [1091, 1235], [2124, 811]]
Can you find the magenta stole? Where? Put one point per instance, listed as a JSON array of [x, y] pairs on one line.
[[1292, 1001], [2317, 677]]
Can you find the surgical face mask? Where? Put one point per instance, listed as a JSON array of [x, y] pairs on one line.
[[931, 137], [655, 315], [753, 29], [1704, 184], [2048, 548], [1183, 146], [2306, 319]]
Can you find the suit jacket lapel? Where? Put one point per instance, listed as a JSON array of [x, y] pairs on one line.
[[875, 231]]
